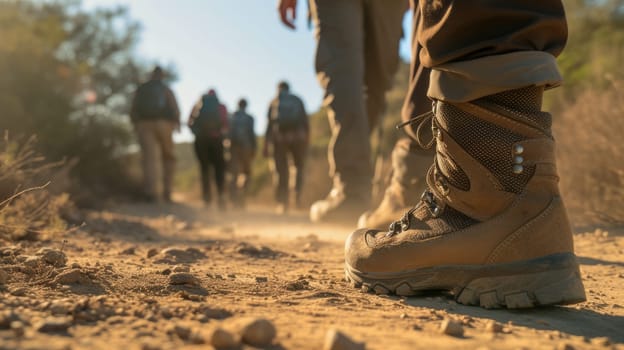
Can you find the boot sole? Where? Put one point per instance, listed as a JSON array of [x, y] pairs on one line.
[[550, 280]]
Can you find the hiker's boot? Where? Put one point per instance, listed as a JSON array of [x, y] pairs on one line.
[[491, 228], [409, 167], [340, 205]]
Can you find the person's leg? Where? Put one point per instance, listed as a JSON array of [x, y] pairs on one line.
[[410, 160], [165, 140], [280, 159], [300, 153], [383, 28], [235, 172], [339, 31], [149, 149], [491, 228], [201, 152], [218, 161]]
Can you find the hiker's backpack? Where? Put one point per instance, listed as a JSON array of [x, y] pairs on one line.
[[151, 101], [287, 112], [239, 135], [208, 121]]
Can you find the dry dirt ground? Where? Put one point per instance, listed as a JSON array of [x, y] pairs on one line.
[[164, 277]]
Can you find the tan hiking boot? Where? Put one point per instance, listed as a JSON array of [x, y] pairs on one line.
[[339, 207], [409, 168], [492, 228]]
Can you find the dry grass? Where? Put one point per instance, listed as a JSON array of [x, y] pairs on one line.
[[591, 156], [28, 209]]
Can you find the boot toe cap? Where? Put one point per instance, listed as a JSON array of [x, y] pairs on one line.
[[359, 252]]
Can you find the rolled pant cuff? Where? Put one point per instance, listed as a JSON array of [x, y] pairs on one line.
[[469, 80]]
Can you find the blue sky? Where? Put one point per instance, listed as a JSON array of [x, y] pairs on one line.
[[240, 48]]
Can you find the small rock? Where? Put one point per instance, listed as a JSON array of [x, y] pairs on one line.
[[452, 328], [222, 339], [601, 341], [181, 268], [53, 325], [493, 327], [166, 272], [151, 252], [184, 278], [183, 332], [336, 340], [258, 332], [128, 251], [403, 316], [73, 276], [6, 318], [32, 261], [59, 308], [53, 257], [4, 277], [19, 291], [18, 328], [261, 279], [565, 346]]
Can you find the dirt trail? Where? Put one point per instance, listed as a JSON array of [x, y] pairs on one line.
[[119, 288]]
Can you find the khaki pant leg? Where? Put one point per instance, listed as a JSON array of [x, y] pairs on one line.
[[164, 131], [300, 153], [383, 28], [148, 142], [339, 32], [280, 159], [496, 46]]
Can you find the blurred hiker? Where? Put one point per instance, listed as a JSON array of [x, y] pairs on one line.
[[357, 56], [491, 227], [242, 152], [409, 161], [155, 116], [209, 123], [288, 133]]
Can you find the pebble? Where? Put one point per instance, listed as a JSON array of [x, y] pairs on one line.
[[222, 339], [128, 251], [32, 261], [6, 318], [18, 328], [336, 340], [184, 278], [53, 325], [59, 308], [260, 279], [4, 277], [181, 268], [183, 332], [73, 276], [258, 332], [601, 341], [452, 328], [493, 327], [151, 252], [19, 291], [53, 257], [565, 346]]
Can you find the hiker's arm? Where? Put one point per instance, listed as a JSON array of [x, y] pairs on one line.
[[225, 122], [173, 107], [252, 137], [268, 136], [288, 12]]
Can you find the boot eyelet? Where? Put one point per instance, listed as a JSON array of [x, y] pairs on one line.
[[518, 169], [435, 211], [518, 149], [518, 159]]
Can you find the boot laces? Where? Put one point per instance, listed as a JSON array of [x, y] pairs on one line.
[[423, 120], [404, 223]]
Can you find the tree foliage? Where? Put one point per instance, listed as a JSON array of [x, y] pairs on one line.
[[66, 76]]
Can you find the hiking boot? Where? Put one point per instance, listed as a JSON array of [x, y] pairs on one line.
[[409, 168], [337, 207], [491, 228]]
